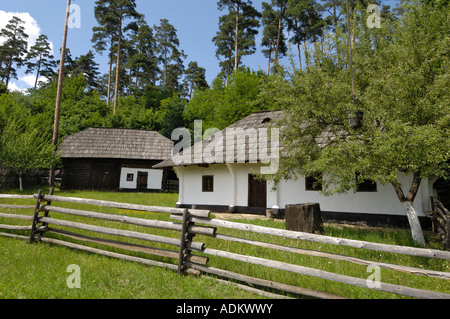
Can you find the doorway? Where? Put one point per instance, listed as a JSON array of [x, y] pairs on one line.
[[257, 192], [142, 181]]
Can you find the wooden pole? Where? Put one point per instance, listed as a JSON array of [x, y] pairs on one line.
[[350, 53], [183, 242], [59, 93]]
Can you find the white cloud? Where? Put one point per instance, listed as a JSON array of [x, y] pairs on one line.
[[30, 80], [14, 87]]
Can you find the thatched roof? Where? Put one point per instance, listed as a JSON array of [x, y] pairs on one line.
[[116, 144], [242, 130]]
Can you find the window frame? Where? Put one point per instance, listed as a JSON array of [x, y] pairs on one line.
[[207, 183], [366, 186], [309, 184]]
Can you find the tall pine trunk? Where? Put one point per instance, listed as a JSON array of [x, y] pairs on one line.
[[108, 100], [116, 89], [236, 46], [37, 73]]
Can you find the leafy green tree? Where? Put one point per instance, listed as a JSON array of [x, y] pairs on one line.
[[172, 110], [220, 106], [13, 49], [23, 144], [40, 59], [401, 88]]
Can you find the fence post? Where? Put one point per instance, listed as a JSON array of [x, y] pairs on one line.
[[36, 216], [37, 210], [183, 241]]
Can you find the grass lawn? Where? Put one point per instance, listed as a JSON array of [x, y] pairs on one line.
[[40, 270]]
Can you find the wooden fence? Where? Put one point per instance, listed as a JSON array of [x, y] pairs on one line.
[[440, 217], [192, 222]]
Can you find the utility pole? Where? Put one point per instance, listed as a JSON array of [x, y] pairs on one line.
[[59, 93]]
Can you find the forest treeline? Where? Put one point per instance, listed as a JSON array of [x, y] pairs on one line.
[[150, 85]]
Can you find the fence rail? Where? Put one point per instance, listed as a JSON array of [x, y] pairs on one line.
[[190, 223]]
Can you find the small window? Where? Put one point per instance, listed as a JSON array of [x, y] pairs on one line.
[[366, 186], [130, 177], [313, 184], [208, 184]]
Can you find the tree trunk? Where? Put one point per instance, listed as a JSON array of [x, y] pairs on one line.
[[8, 73], [20, 183], [108, 98], [37, 74], [270, 57], [278, 42], [165, 68], [116, 89], [336, 36], [299, 56], [407, 202], [306, 55], [416, 229], [236, 50]]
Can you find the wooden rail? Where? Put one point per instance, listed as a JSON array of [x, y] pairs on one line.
[[197, 222]]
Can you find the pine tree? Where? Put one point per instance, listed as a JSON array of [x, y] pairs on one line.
[[143, 63], [306, 24], [224, 42], [86, 66], [14, 49], [273, 35], [246, 26], [40, 59], [167, 46], [114, 16], [104, 38], [195, 77]]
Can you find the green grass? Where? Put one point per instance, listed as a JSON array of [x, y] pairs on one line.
[[40, 270]]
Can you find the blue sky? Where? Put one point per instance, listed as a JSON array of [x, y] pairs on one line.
[[196, 22]]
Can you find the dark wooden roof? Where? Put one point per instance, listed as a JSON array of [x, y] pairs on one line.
[[116, 144], [258, 120]]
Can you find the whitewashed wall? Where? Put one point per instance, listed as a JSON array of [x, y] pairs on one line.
[[154, 178], [231, 189]]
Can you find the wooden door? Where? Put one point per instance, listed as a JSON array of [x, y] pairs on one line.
[[142, 180], [257, 192]]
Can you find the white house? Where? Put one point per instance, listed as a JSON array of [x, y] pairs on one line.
[[221, 180]]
